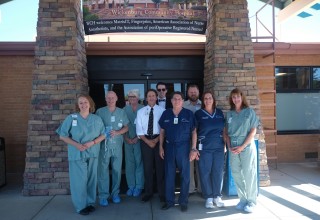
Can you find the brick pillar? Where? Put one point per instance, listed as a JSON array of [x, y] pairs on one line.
[[60, 74], [229, 61]]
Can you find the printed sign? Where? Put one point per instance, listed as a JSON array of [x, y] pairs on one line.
[[172, 16]]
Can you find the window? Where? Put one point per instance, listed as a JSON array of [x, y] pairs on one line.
[[298, 99], [316, 78]]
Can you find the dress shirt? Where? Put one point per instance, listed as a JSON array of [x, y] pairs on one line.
[[143, 118], [188, 105], [162, 103]]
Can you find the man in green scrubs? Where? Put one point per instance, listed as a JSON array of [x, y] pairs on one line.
[[116, 122]]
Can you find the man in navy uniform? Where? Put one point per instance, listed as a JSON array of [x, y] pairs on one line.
[[177, 127]]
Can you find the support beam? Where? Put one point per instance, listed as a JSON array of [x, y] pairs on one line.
[[295, 8]]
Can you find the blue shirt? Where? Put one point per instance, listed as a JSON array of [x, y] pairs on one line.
[[180, 131], [210, 128], [82, 130]]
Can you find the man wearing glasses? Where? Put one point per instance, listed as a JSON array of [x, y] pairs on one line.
[[163, 101]]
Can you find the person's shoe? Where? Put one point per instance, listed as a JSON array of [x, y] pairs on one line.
[[103, 202], [91, 208], [136, 192], [146, 198], [249, 207], [130, 192], [209, 203], [166, 206], [184, 208], [84, 211], [116, 199], [241, 205], [218, 202]]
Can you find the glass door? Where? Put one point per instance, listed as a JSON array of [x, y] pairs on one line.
[[99, 90]]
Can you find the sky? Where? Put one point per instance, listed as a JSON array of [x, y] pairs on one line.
[[18, 20]]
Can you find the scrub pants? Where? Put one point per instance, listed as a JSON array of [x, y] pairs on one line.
[[244, 172], [211, 172], [177, 155], [83, 182], [134, 166], [111, 154]]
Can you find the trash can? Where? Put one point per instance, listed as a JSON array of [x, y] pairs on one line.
[[2, 163], [229, 187]]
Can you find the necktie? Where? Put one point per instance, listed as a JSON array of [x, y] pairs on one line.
[[150, 123], [162, 100]]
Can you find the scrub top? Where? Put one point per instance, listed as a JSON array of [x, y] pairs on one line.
[[132, 117], [117, 119], [177, 129], [82, 130], [240, 124], [210, 129]]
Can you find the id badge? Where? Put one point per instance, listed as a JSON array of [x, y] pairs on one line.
[[175, 121], [200, 146], [229, 121], [113, 118], [74, 122]]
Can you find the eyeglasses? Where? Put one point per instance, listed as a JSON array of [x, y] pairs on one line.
[[131, 96], [159, 90]]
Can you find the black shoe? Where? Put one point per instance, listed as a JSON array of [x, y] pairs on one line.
[[166, 206], [146, 198], [84, 211], [184, 208], [91, 208]]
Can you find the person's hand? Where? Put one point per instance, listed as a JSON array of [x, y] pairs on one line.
[[161, 152], [134, 140], [237, 149], [113, 133], [194, 155], [81, 147]]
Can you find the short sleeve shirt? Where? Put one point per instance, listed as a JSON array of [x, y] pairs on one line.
[[132, 117], [117, 119], [82, 130], [240, 124], [210, 128], [177, 129]]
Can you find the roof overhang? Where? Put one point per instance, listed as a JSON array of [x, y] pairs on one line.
[[295, 8], [4, 1]]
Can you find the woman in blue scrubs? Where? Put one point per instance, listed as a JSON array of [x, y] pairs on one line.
[[210, 126], [83, 131], [242, 123]]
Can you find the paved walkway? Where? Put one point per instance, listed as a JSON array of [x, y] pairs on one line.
[[294, 194]]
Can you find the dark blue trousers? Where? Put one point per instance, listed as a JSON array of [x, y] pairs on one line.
[[211, 172], [177, 156]]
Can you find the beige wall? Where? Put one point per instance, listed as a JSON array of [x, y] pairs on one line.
[[288, 148], [15, 90]]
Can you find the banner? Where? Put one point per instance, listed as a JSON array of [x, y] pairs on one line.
[[172, 16]]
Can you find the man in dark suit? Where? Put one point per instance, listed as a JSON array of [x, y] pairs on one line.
[[163, 101]]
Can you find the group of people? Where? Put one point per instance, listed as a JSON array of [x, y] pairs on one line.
[[166, 135]]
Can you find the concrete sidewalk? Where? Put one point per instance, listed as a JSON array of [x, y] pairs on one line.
[[294, 194]]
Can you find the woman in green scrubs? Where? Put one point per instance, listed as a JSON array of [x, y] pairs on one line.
[[83, 131], [241, 124]]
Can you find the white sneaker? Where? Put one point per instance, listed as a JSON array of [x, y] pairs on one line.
[[249, 207], [209, 203], [241, 205], [218, 202]]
